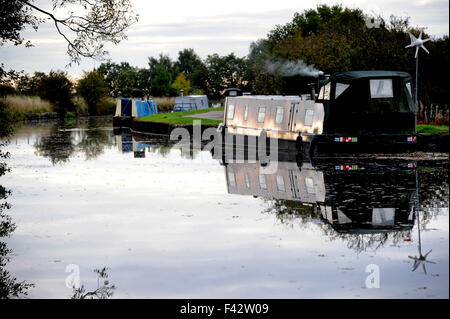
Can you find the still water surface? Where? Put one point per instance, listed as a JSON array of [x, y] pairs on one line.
[[174, 224]]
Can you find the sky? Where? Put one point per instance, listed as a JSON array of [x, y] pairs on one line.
[[206, 26]]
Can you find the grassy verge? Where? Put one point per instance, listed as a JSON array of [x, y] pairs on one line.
[[178, 117], [432, 129]]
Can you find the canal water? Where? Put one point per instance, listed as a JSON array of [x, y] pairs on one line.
[[140, 219]]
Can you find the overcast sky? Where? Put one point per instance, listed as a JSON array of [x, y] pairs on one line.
[[207, 26]]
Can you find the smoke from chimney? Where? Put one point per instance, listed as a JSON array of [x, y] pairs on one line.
[[291, 68]]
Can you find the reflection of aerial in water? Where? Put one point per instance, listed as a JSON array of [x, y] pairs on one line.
[[422, 259]]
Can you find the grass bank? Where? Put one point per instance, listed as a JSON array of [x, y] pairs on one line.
[[178, 117], [432, 129]]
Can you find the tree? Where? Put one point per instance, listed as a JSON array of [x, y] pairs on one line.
[[161, 82], [181, 83], [188, 61], [29, 85], [93, 89], [57, 88], [162, 72], [225, 72], [126, 82], [111, 72], [144, 80]]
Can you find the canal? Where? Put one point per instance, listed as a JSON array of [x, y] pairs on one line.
[[166, 222]]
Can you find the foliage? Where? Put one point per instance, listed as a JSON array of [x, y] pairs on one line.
[[188, 62], [182, 84], [6, 89], [224, 72], [29, 85], [104, 288], [57, 88], [93, 89]]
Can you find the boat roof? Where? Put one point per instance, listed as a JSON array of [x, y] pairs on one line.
[[346, 77], [268, 97], [190, 96]]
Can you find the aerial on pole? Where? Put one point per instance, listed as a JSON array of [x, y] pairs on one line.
[[417, 43]]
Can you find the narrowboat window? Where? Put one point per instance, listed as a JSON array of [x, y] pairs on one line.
[[340, 88], [324, 93], [279, 116], [310, 186], [309, 116], [230, 112], [245, 112], [280, 183], [262, 181], [232, 179], [261, 114], [381, 88], [408, 86], [247, 180]]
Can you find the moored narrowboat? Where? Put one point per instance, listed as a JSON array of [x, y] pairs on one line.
[[129, 108], [364, 108], [190, 102]]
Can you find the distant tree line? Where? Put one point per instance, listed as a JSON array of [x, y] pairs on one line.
[[165, 77]]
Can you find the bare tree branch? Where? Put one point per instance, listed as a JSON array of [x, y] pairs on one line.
[[104, 21]]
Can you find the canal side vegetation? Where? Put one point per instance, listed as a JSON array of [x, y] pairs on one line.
[[180, 117]]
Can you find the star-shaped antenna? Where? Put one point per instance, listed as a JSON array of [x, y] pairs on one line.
[[417, 42], [422, 259]]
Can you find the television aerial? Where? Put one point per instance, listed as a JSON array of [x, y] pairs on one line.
[[417, 43]]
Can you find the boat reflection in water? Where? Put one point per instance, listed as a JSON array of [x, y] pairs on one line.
[[127, 143], [353, 197]]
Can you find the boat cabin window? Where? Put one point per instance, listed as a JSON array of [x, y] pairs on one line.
[[230, 112], [261, 114], [324, 93], [310, 189], [381, 88], [232, 179], [340, 88], [280, 183], [262, 181], [309, 115], [247, 180], [279, 116], [245, 112], [408, 86]]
